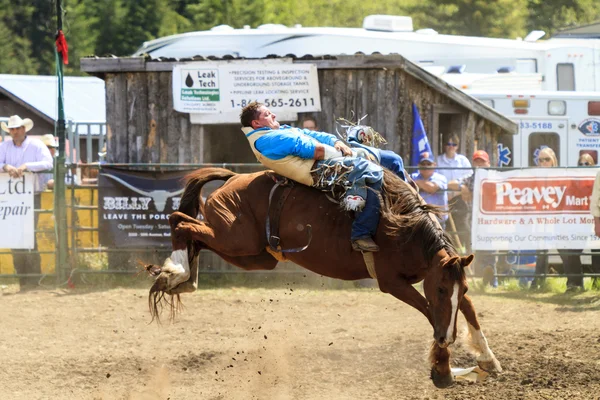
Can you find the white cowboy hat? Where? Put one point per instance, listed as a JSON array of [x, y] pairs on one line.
[[49, 140], [16, 122]]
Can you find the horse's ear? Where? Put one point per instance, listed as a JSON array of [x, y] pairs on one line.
[[466, 261], [450, 261]]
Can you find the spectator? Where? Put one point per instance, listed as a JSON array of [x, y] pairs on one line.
[[20, 155], [432, 185], [47, 179], [571, 261], [585, 160], [595, 211], [309, 123], [485, 261], [454, 167], [576, 282]]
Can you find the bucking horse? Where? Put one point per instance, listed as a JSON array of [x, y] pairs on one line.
[[238, 222]]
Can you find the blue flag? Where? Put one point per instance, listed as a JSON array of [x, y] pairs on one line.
[[420, 143]]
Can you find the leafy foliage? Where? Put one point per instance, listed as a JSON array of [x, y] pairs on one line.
[[119, 27]]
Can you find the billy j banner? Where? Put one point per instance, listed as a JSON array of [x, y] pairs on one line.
[[16, 212], [134, 206], [533, 209]]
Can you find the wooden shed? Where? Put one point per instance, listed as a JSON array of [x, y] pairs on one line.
[[143, 127]]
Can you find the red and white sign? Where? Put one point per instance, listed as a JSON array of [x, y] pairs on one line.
[[533, 209]]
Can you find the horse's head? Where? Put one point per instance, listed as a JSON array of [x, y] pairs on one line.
[[444, 286]]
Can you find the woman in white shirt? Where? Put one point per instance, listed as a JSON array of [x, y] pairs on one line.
[[451, 159]]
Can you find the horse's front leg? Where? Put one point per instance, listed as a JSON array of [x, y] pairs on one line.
[[439, 357], [486, 358]]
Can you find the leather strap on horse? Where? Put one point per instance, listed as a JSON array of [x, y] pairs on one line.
[[370, 263], [274, 216]]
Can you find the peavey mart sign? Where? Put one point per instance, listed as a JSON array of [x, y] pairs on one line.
[[16, 212], [533, 209], [227, 87]]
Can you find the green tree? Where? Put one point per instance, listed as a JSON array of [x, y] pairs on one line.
[[81, 28], [15, 45], [141, 22], [551, 16], [493, 18], [206, 14], [41, 30]]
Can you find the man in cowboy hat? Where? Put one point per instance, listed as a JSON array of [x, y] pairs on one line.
[[20, 155]]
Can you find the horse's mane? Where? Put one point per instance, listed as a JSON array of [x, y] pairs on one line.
[[407, 217]]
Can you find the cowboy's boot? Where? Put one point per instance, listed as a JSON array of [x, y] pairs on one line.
[[364, 244]]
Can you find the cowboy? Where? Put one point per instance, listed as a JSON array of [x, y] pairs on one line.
[[306, 156], [360, 136], [19, 155]]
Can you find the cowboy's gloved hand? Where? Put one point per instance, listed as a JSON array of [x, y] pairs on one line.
[[341, 146], [362, 153]]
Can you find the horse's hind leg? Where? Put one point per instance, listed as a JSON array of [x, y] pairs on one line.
[[486, 358]]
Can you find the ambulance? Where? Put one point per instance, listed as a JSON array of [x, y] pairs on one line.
[[567, 122]]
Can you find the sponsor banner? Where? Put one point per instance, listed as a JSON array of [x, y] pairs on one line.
[[134, 206], [533, 209], [17, 229], [225, 88]]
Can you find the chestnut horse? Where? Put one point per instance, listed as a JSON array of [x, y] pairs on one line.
[[413, 248]]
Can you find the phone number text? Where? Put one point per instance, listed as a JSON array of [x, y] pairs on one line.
[[276, 103], [536, 125]]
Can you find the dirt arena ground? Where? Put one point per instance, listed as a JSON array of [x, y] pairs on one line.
[[287, 343]]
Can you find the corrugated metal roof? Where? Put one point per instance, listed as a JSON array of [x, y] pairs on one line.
[[84, 96]]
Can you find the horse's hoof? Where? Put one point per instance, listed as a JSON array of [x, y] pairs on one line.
[[160, 284], [492, 366], [185, 287], [441, 381]]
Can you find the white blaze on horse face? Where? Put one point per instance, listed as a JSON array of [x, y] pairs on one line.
[[177, 268], [454, 301]]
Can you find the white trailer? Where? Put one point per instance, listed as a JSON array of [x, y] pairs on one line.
[[564, 63], [567, 122]]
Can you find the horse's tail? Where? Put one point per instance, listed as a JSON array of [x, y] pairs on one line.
[[191, 200]]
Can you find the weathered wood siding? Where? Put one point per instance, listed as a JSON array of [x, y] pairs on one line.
[[144, 128]]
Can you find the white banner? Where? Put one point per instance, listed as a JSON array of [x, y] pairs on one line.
[[226, 88], [533, 209], [16, 212]]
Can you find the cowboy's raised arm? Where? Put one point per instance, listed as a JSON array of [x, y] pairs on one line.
[[323, 137]]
